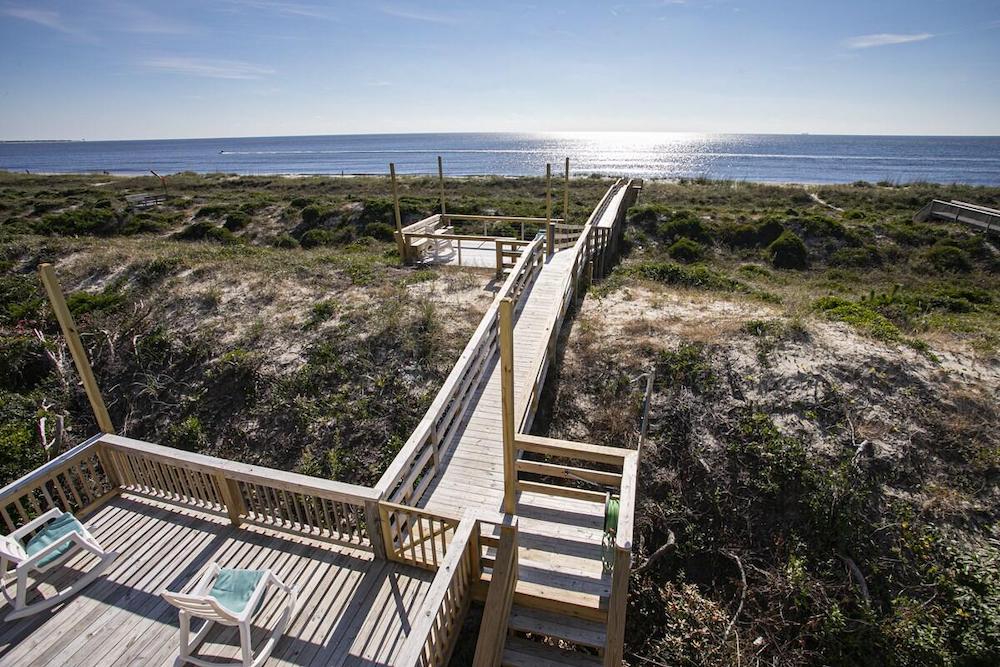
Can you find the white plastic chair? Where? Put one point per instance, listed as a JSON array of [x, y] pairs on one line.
[[54, 537], [204, 605]]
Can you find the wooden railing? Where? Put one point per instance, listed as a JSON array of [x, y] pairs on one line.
[[529, 226], [416, 537], [416, 237], [75, 482], [565, 478], [585, 250], [415, 467], [980, 217], [499, 600], [317, 508], [565, 235], [433, 634]]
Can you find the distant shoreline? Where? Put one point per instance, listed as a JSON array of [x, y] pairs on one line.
[[470, 177]]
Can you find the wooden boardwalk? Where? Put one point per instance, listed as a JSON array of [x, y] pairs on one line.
[[356, 610]]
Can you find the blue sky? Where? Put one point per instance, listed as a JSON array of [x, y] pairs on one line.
[[102, 69]]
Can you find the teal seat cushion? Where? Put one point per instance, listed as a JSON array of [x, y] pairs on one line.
[[55, 530], [233, 588]]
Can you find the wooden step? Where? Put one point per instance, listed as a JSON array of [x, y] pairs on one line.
[[581, 604], [558, 626], [525, 653]]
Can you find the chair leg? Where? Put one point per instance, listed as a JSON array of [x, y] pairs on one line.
[[185, 634], [245, 645], [22, 589]]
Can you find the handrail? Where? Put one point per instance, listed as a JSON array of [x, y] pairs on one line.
[[582, 253], [499, 600], [43, 472], [415, 465], [498, 218], [433, 633], [286, 501], [290, 481], [76, 481]]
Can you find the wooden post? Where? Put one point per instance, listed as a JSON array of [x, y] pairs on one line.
[[507, 403], [388, 545], [400, 239], [566, 195], [499, 251], [550, 232], [72, 335], [230, 492], [375, 534], [617, 606], [444, 211], [499, 599]]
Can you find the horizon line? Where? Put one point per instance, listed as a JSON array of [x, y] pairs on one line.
[[497, 132]]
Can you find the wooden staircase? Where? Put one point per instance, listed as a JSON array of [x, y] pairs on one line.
[[558, 610]]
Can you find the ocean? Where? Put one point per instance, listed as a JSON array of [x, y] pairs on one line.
[[751, 157]]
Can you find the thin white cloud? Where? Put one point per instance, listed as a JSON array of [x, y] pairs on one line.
[[414, 14], [885, 39], [49, 19], [132, 18], [284, 8], [208, 68]]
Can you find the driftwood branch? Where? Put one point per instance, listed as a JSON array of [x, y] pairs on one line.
[[743, 590], [659, 553], [857, 576]]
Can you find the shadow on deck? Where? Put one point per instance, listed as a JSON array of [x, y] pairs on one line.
[[354, 610]]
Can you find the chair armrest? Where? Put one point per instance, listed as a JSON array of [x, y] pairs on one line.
[[74, 537], [36, 522], [257, 594]]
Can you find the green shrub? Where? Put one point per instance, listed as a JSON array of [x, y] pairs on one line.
[[859, 315], [670, 273], [740, 236], [948, 258], [862, 258], [317, 237], [23, 362], [685, 250], [20, 452], [81, 303], [788, 251], [751, 235], [310, 215], [206, 231], [187, 435], [684, 224], [380, 231], [769, 231], [212, 211], [79, 221], [20, 298], [645, 215], [301, 202], [237, 220], [754, 271], [285, 240]]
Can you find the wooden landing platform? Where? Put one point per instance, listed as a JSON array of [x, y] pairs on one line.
[[355, 610]]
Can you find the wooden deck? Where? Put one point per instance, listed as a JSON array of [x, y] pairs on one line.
[[355, 610]]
